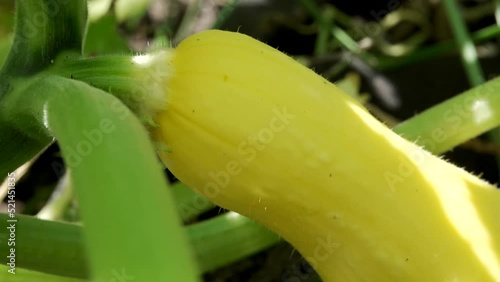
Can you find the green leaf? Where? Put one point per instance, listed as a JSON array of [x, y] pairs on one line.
[[6, 17], [20, 138], [17, 147], [4, 47], [6, 28], [102, 38], [131, 223], [43, 30]]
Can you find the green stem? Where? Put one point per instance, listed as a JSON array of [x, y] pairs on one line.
[[344, 38], [136, 80], [18, 174], [456, 120], [59, 201], [313, 9], [425, 53], [189, 203], [217, 242], [47, 246], [470, 60], [115, 73], [225, 13], [228, 238], [497, 11], [323, 38], [190, 17], [465, 44]]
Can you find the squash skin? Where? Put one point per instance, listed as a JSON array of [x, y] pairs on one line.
[[258, 133]]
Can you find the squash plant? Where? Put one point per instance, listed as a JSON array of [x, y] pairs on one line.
[[253, 131]]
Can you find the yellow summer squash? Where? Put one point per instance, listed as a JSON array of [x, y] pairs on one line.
[[260, 134]]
